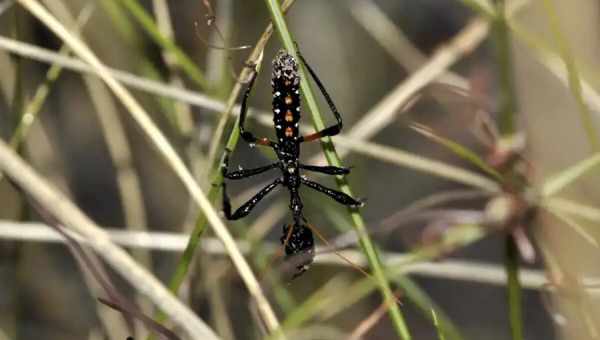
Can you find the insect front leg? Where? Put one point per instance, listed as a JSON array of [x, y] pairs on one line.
[[243, 173], [331, 130], [248, 136]]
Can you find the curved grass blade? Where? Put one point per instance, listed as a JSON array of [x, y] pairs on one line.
[[458, 149], [559, 181]]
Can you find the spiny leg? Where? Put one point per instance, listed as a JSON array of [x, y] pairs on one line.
[[339, 196], [244, 173], [247, 207], [246, 135], [331, 130], [327, 169]]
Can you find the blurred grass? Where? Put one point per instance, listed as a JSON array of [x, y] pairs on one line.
[[507, 127], [585, 114], [324, 306]]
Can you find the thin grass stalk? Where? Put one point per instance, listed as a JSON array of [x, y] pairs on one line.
[[514, 290], [437, 325], [168, 153], [183, 113], [458, 237], [134, 81], [183, 265], [217, 177], [507, 127], [333, 159], [573, 208], [181, 121], [349, 143], [558, 182], [507, 105], [72, 218], [175, 242], [566, 55], [17, 102], [183, 60], [34, 106], [382, 114]]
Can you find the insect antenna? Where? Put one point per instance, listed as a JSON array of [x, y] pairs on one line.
[[211, 24], [344, 258]]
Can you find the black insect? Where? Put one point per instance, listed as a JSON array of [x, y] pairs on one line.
[[286, 116]]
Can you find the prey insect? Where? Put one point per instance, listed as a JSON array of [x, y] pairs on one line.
[[297, 238]]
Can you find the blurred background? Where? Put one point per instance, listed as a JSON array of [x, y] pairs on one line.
[[82, 140]]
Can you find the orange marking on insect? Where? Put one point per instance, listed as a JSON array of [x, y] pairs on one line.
[[287, 83], [289, 117], [263, 141], [288, 100], [289, 132]]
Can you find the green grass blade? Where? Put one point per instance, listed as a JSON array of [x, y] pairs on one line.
[[572, 208], [507, 127], [514, 290], [458, 149], [333, 159], [436, 323], [183, 265], [577, 227], [481, 7], [457, 237], [585, 114], [561, 180], [182, 59]]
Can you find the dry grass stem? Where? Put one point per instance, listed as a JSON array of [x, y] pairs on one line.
[[175, 242], [167, 151], [72, 218]]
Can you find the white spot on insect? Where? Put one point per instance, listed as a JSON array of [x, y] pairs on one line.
[[297, 124], [277, 94], [277, 110], [298, 108], [291, 170], [278, 127], [240, 168], [251, 145]]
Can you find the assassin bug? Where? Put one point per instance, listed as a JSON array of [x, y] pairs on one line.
[[297, 238]]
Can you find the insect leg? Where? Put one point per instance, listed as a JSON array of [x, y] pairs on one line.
[[247, 207], [339, 196], [328, 170], [331, 130], [246, 135], [244, 173]]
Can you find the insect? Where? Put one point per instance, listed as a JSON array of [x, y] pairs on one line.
[[297, 237]]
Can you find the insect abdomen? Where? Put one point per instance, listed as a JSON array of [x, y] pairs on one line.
[[286, 96]]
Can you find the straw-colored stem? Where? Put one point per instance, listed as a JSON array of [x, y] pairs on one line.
[[72, 218], [168, 153]]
